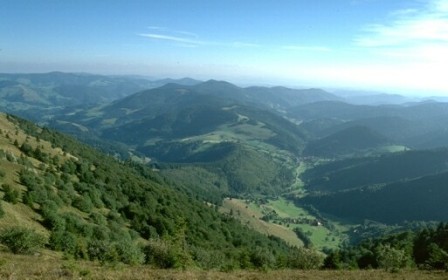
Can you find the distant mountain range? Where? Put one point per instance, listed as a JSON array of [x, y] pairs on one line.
[[348, 141], [218, 139], [40, 95], [214, 122], [419, 125]]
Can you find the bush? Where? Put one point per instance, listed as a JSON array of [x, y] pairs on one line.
[[391, 259], [129, 253], [64, 241], [438, 258], [103, 251], [2, 212], [262, 258], [160, 254], [11, 195], [83, 203], [22, 240], [303, 258], [27, 149]]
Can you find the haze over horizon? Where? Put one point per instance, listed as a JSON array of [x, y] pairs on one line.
[[394, 46]]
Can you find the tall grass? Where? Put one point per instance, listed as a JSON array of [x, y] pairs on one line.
[[52, 266]]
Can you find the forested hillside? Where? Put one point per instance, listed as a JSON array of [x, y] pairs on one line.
[[373, 170], [422, 199], [91, 206], [420, 125], [426, 249], [347, 142]]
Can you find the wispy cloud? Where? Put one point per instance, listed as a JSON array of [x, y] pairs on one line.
[[169, 38], [427, 25], [189, 39], [409, 49], [414, 38], [306, 48], [172, 31], [237, 44]]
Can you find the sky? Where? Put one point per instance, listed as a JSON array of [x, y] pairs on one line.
[[383, 45]]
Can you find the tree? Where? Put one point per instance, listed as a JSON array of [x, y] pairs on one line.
[[333, 260], [160, 254], [22, 240], [11, 195], [27, 149], [261, 257], [304, 258], [438, 258], [2, 212], [391, 259]]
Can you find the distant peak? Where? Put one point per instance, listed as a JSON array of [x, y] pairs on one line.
[[212, 81], [217, 83]]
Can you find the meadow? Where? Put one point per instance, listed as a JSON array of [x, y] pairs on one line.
[[51, 266], [255, 213]]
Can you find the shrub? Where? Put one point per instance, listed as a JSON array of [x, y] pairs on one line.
[[27, 149], [64, 241], [438, 258], [11, 195], [113, 252], [130, 253], [83, 203], [160, 254], [209, 259], [304, 258], [261, 258], [22, 240], [103, 251], [391, 259], [2, 212], [10, 157]]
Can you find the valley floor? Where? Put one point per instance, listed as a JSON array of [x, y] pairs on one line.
[[51, 266]]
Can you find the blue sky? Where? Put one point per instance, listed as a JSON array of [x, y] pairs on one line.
[[388, 45]]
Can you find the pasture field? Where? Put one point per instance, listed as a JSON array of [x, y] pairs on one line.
[[251, 213], [51, 266]]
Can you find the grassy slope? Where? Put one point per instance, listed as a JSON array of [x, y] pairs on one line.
[[19, 214], [320, 236], [250, 213], [52, 266], [251, 217]]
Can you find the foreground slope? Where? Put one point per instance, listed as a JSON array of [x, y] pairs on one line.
[[54, 268], [91, 206]]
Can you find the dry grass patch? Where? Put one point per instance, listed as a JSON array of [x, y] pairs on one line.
[[50, 265], [251, 218]]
